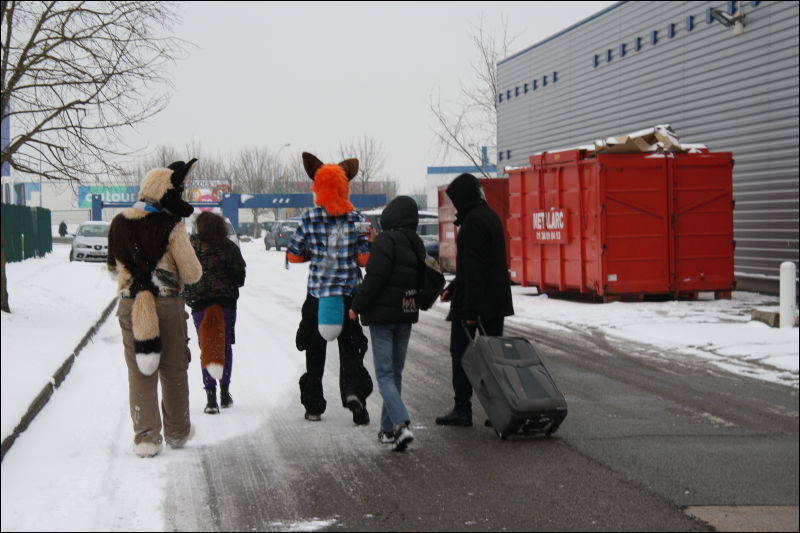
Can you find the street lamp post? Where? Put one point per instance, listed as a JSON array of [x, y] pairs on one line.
[[283, 171]]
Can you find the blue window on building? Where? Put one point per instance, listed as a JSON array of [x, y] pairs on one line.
[[754, 4], [544, 81], [500, 97], [690, 23], [608, 55], [534, 85], [637, 44], [555, 76], [516, 91], [653, 37], [508, 154], [508, 94], [709, 16], [500, 155], [671, 31], [525, 88], [731, 8], [595, 60], [621, 49]]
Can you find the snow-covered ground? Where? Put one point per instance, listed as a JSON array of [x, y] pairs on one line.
[[73, 468]]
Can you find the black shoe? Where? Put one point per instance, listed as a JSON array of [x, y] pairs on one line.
[[225, 398], [313, 417], [487, 423], [360, 414], [455, 418], [212, 407]]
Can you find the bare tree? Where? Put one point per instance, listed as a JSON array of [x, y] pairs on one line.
[[466, 125], [132, 173], [371, 160], [75, 74], [257, 171]]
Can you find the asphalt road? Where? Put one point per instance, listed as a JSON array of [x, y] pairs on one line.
[[647, 435]]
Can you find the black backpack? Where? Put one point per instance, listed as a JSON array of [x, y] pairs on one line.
[[431, 282]]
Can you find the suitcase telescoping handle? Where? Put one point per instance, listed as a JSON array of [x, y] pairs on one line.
[[469, 335]]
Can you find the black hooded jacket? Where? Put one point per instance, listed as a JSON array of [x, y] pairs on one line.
[[386, 296], [482, 286]]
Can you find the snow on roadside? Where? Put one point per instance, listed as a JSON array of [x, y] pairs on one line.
[[718, 330], [53, 304], [73, 469]]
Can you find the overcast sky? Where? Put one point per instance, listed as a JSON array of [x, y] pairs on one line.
[[317, 74]]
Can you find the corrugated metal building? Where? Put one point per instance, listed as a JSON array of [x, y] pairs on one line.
[[638, 64]]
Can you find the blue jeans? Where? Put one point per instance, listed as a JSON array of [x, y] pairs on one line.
[[389, 345]]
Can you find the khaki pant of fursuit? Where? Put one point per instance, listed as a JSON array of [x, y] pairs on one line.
[[172, 371]]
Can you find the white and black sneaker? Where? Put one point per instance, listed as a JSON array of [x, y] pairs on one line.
[[402, 439], [386, 437]]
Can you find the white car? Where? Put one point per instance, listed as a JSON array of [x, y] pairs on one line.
[[90, 242]]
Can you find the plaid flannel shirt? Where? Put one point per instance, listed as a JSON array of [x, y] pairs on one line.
[[335, 272]]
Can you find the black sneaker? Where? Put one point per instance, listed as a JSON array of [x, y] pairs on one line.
[[455, 418], [360, 414], [386, 437]]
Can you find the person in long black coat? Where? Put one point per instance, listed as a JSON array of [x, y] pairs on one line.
[[386, 301], [481, 290]]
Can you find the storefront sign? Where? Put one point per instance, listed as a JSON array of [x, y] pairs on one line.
[[110, 194]]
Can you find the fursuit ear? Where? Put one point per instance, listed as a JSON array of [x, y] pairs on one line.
[[311, 164], [350, 167], [180, 171]]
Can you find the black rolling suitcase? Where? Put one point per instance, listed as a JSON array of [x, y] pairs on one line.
[[513, 386]]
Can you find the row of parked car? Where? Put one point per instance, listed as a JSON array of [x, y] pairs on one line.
[[90, 242]]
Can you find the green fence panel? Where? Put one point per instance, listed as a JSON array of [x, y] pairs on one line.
[[26, 232]]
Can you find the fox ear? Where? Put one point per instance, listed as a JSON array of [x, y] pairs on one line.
[[311, 164], [350, 167]]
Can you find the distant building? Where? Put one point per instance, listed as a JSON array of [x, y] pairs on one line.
[[733, 87], [439, 176]]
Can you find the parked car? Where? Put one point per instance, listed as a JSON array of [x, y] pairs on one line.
[[90, 242], [373, 217], [248, 229], [280, 234], [428, 229], [432, 249]]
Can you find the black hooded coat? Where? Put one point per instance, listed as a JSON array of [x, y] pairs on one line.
[[482, 286], [393, 268]]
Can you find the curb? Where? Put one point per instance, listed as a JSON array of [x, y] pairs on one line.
[[58, 378]]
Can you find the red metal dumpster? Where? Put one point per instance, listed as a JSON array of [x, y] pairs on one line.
[[623, 224], [496, 190]]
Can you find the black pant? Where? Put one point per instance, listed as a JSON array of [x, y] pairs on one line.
[[353, 377], [459, 342]]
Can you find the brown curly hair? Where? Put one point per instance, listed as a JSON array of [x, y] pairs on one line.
[[211, 227]]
